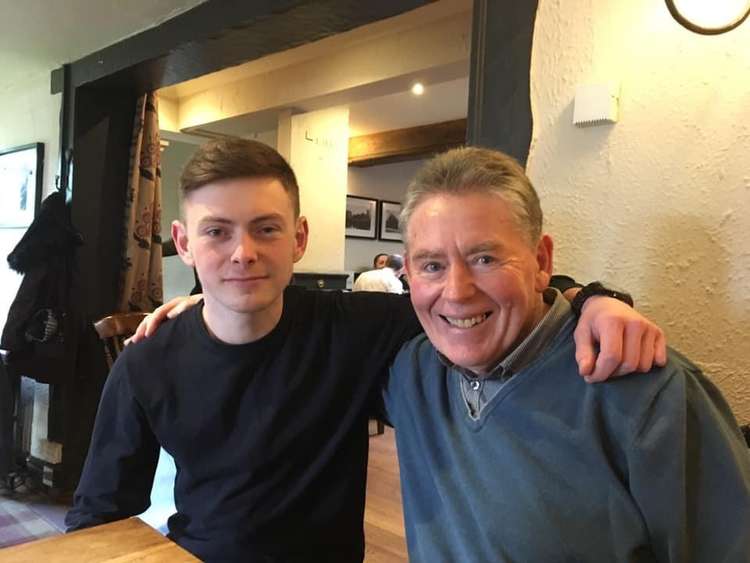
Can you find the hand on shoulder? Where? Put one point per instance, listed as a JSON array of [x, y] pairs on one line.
[[169, 310]]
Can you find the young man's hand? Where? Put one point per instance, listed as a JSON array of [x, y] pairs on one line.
[[169, 310], [627, 341]]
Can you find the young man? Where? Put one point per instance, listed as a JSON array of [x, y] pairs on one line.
[[505, 454], [262, 393]]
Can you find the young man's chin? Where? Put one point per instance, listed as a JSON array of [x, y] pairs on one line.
[[251, 304]]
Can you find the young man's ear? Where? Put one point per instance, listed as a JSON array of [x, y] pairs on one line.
[[301, 232], [180, 238], [544, 250]]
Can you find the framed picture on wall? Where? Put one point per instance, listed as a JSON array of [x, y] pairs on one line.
[[361, 217], [389, 214], [20, 184]]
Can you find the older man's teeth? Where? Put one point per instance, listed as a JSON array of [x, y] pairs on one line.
[[466, 323]]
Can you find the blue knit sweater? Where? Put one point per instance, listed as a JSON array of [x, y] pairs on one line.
[[642, 468]]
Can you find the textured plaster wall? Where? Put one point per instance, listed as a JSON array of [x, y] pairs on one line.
[[658, 203]]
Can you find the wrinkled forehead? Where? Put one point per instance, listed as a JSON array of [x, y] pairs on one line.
[[467, 219]]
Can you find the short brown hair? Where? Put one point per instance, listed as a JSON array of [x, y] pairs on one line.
[[471, 170], [231, 158]]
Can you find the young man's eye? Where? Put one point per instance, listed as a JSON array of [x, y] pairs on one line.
[[267, 230], [214, 232]]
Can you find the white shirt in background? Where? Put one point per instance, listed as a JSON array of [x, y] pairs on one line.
[[384, 280]]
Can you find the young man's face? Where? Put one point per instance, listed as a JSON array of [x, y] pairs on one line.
[[476, 282], [243, 239]]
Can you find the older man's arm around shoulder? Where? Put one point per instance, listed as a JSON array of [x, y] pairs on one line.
[[689, 471], [119, 470]]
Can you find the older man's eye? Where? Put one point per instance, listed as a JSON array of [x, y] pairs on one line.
[[485, 260], [431, 267]]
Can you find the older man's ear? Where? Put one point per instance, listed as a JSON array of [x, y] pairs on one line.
[[544, 250]]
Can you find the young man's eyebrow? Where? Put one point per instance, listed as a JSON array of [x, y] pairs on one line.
[[267, 217], [214, 219]]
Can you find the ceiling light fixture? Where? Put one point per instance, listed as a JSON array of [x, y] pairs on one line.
[[709, 17], [417, 89]]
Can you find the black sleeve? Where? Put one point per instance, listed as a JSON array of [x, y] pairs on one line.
[[563, 283], [119, 471], [378, 325]]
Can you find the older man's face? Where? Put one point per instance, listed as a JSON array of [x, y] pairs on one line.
[[476, 282]]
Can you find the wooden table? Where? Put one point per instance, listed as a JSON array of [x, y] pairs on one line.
[[126, 540]]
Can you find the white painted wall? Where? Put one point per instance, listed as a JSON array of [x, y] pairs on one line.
[[383, 182], [28, 114], [659, 202], [319, 151]]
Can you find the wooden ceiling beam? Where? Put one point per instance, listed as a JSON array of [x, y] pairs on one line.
[[406, 144]]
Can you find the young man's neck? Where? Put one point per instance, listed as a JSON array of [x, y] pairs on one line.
[[232, 327]]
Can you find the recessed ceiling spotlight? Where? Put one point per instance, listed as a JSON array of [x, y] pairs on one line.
[[417, 89]]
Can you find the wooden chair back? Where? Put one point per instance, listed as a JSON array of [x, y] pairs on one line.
[[114, 330]]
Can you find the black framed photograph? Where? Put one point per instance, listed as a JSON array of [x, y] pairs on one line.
[[361, 217], [20, 185], [389, 214]]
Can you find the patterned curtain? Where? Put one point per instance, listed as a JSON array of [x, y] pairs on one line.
[[141, 273]]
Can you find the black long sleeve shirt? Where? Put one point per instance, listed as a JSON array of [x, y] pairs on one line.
[[269, 438]]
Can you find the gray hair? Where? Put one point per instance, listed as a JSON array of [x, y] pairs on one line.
[[472, 170]]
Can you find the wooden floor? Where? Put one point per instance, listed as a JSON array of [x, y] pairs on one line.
[[384, 518]]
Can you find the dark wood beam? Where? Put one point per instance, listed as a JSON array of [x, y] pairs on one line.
[[499, 84], [222, 33], [406, 144], [103, 132]]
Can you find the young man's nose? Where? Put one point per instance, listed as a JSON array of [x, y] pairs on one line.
[[246, 250]]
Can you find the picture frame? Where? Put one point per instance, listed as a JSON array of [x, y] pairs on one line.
[[21, 170], [389, 230], [361, 217]]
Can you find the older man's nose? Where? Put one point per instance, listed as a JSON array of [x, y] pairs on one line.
[[459, 283]]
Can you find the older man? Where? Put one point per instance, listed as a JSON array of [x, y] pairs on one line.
[[505, 453]]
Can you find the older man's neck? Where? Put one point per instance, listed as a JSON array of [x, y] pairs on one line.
[[535, 317], [232, 327]]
